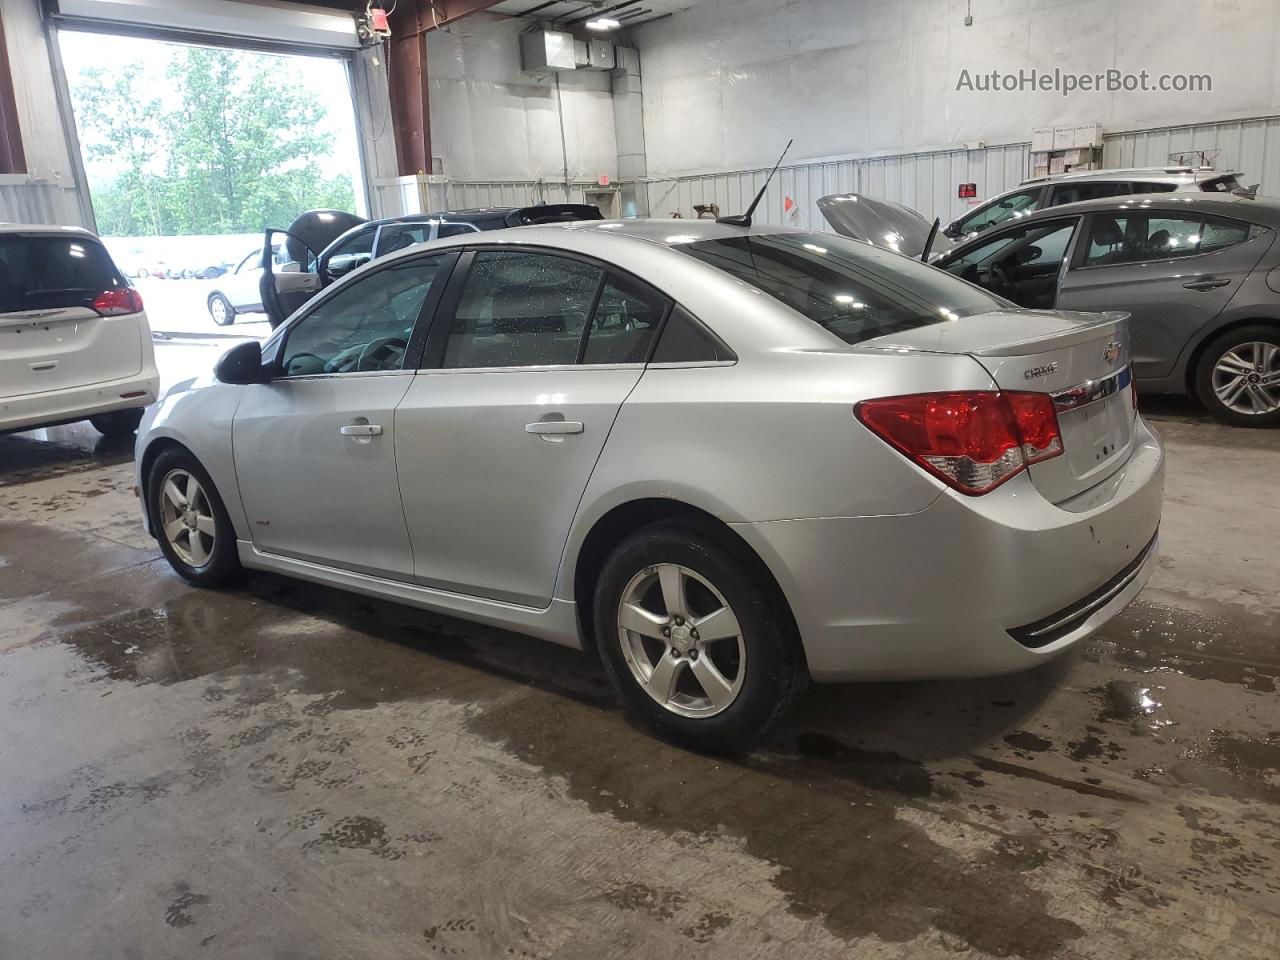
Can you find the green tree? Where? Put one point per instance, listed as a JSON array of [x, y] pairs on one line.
[[238, 148]]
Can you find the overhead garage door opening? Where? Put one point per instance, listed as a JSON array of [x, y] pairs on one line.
[[190, 152]]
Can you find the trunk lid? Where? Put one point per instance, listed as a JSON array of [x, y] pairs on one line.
[[1080, 359]]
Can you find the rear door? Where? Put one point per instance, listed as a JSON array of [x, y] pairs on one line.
[[528, 363], [1172, 271], [51, 336]]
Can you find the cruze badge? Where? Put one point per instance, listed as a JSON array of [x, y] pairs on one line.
[[1043, 371], [1111, 352]]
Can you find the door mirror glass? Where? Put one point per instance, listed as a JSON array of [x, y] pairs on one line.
[[242, 364]]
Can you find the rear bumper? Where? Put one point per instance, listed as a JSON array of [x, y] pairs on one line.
[[945, 592], [78, 403]]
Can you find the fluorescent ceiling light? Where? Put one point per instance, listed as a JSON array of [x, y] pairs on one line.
[[602, 23]]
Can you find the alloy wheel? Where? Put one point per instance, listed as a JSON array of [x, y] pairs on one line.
[[1246, 379], [681, 640], [186, 516]]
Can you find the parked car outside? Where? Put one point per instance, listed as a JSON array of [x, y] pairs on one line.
[[1199, 273], [730, 459], [74, 339], [236, 291], [1057, 189]]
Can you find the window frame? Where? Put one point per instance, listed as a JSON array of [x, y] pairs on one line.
[[274, 348], [1184, 213], [441, 324]]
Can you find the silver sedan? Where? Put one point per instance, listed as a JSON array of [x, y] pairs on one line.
[[730, 459]]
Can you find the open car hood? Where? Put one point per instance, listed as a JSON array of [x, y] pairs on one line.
[[882, 223]]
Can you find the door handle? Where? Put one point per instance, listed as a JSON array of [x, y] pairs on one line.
[[1207, 283], [361, 430], [560, 427]]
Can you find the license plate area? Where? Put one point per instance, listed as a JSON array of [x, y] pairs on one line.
[[1096, 422]]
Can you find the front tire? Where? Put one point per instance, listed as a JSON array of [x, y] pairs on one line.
[[119, 423], [220, 308], [190, 521], [691, 641], [1238, 376]]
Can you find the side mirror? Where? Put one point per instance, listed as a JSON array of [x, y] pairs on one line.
[[241, 364]]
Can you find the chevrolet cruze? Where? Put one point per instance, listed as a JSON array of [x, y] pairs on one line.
[[730, 459]]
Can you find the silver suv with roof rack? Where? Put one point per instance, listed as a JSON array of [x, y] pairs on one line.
[[1057, 189]]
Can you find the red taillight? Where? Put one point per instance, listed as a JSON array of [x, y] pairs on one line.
[[117, 302], [973, 440]]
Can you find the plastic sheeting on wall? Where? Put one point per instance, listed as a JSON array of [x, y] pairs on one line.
[[728, 82], [490, 121]]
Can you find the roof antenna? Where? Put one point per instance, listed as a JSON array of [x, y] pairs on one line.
[[744, 220]]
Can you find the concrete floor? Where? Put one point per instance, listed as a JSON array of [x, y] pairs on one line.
[[287, 771]]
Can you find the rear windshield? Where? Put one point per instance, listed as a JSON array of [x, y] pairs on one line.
[[44, 273], [852, 289]]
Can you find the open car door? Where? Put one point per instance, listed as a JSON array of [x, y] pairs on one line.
[[883, 223], [290, 275]]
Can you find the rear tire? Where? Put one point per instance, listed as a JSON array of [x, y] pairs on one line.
[[718, 693], [220, 308], [119, 423], [190, 522], [1238, 376]]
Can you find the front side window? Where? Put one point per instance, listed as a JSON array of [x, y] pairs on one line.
[[351, 253], [1136, 237], [521, 309], [252, 262], [365, 326], [853, 290], [1006, 208], [1022, 264], [626, 319], [397, 236]]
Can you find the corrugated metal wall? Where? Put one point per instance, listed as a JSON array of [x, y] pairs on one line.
[[1250, 146], [23, 200]]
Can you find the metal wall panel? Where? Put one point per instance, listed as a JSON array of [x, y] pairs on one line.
[[1249, 146], [23, 200]]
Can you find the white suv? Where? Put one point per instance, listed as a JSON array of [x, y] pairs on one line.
[[74, 340]]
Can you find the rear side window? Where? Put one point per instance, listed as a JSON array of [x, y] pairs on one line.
[[520, 310], [1154, 187], [397, 236], [1159, 236], [44, 273], [1220, 185], [684, 340], [853, 290], [1075, 192], [623, 326]]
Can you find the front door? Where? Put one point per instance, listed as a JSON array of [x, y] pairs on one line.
[[1022, 264], [315, 447], [497, 438], [1173, 271]]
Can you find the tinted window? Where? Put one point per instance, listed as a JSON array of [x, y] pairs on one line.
[[1135, 237], [1022, 264], [1075, 192], [1154, 188], [1001, 210], [521, 309], [353, 252], [41, 273], [365, 326], [1221, 184], [455, 229], [397, 236], [853, 290], [685, 341], [624, 323]]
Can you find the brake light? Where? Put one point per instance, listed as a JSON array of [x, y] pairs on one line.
[[117, 302], [972, 440]]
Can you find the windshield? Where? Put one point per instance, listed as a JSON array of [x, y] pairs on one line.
[[41, 273], [855, 291]]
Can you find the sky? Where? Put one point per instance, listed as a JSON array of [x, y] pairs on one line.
[[325, 75]]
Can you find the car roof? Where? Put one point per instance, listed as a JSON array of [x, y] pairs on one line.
[[1152, 174], [1263, 210]]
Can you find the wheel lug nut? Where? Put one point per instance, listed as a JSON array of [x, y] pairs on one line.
[[666, 631]]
